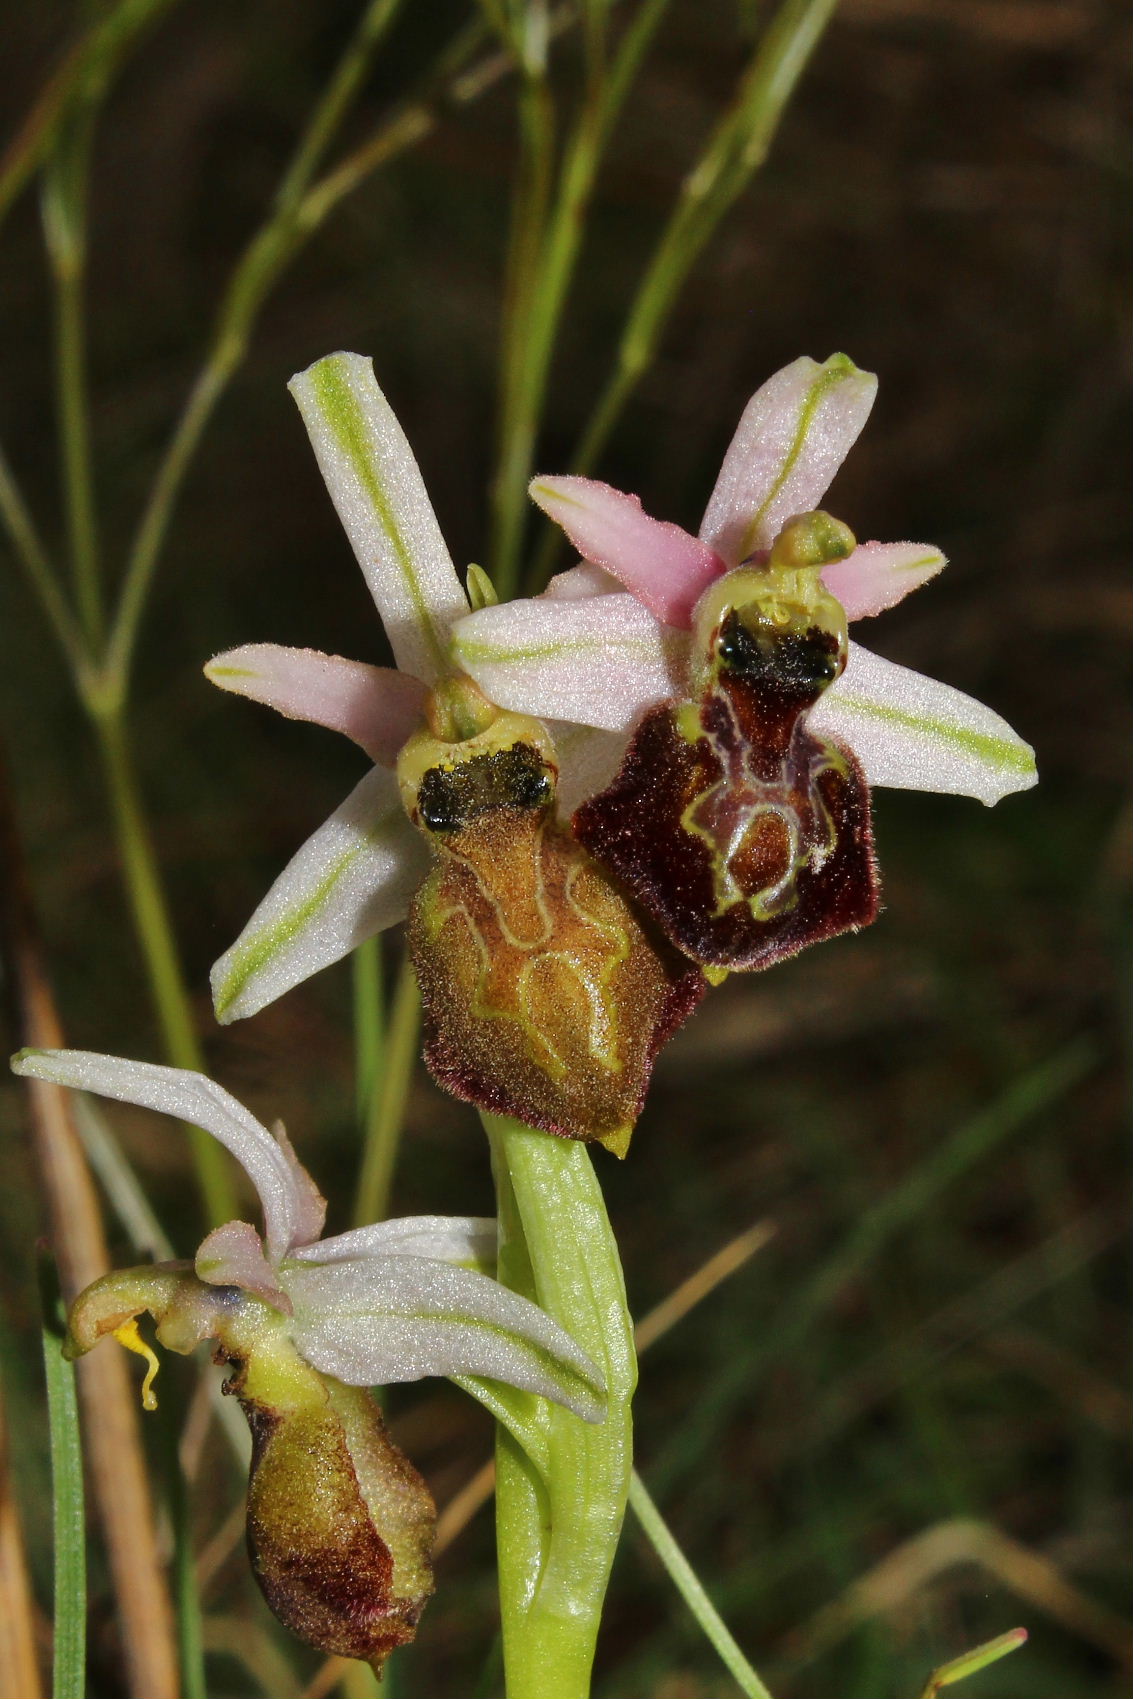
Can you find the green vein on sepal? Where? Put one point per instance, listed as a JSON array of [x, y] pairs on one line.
[[998, 752], [343, 413]]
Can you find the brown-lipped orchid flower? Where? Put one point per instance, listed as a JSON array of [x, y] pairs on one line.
[[546, 994], [740, 816], [340, 1524]]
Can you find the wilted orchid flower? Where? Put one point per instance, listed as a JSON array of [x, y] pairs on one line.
[[340, 1524], [740, 816], [546, 996]]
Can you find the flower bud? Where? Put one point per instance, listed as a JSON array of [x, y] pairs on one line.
[[745, 836], [340, 1524], [545, 995]]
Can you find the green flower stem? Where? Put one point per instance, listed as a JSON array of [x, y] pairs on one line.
[[692, 1592], [735, 150], [155, 935], [557, 1531], [389, 1094]]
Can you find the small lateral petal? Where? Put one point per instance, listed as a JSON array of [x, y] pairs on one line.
[[380, 497], [876, 576], [585, 579], [794, 434], [312, 1212], [353, 877], [377, 1320], [915, 733], [598, 661], [378, 707], [233, 1255], [187, 1097], [660, 563], [445, 1238]]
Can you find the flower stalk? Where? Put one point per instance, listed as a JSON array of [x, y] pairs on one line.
[[559, 1515]]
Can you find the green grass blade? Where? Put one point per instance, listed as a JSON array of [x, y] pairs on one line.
[[69, 1526], [688, 1585]]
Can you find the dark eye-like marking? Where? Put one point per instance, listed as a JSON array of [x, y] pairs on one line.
[[450, 798], [765, 654]]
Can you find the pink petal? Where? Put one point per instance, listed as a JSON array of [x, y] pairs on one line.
[[311, 1212], [794, 434], [877, 575], [376, 706], [233, 1255], [663, 566], [585, 579]]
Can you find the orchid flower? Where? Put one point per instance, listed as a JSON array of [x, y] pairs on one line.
[[610, 638], [356, 874], [339, 1522], [545, 996]]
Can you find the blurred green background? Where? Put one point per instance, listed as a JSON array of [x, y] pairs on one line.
[[935, 1343]]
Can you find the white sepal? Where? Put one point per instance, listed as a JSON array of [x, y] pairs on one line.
[[915, 733], [446, 1238], [187, 1097], [352, 878], [377, 1320], [793, 435], [597, 661], [380, 497]]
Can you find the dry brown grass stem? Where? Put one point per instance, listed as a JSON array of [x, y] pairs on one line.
[[111, 1438], [890, 1584], [476, 1491], [19, 1666]]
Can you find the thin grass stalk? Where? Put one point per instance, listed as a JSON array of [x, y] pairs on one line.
[[35, 564], [113, 1444], [81, 79], [688, 1585], [19, 1665], [368, 999], [264, 258], [553, 261], [530, 206], [68, 1519], [1017, 1105], [389, 1099], [154, 929], [64, 224], [738, 146]]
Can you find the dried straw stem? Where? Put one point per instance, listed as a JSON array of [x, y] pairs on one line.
[[110, 1426]]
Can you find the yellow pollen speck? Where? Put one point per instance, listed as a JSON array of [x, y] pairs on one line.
[[129, 1336]]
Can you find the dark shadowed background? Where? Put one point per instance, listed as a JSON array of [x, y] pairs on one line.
[[946, 202]]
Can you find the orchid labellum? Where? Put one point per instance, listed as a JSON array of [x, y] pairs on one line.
[[739, 817]]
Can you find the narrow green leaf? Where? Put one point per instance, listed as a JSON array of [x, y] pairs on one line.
[[68, 1521]]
